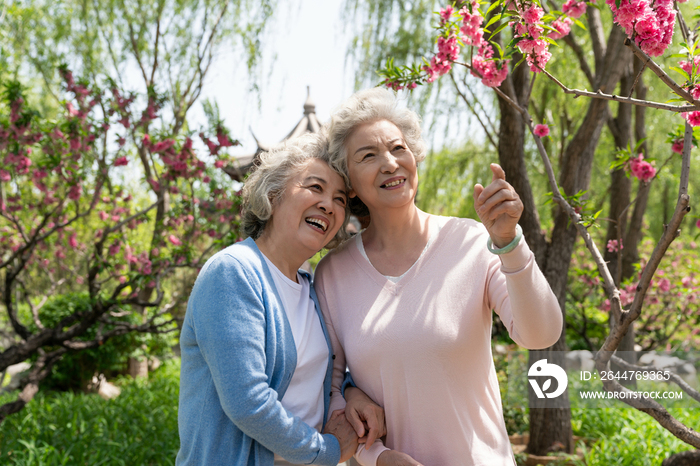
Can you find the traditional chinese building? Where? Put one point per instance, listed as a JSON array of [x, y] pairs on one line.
[[308, 124]]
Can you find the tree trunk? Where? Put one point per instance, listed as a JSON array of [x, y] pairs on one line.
[[550, 428], [620, 188], [575, 176]]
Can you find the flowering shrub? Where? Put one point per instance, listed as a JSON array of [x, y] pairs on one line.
[[71, 221], [671, 320]]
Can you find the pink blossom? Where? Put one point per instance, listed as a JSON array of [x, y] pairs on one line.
[[120, 161], [688, 67], [5, 175], [71, 110], [573, 8], [687, 282], [695, 92], [563, 27], [155, 252], [664, 285], [79, 280], [60, 254], [693, 118], [697, 224], [163, 146], [677, 146], [174, 240], [650, 23], [446, 13], [154, 184], [219, 163], [122, 279], [75, 192], [115, 218], [224, 140], [533, 14], [114, 249], [541, 130], [73, 241], [615, 245], [641, 169], [432, 74]]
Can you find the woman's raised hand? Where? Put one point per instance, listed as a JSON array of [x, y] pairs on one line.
[[360, 411], [499, 207]]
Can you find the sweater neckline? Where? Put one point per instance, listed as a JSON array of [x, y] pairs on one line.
[[424, 258]]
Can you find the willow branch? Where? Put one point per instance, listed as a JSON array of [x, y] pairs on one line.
[[473, 110]]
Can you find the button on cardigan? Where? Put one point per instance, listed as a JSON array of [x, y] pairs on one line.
[[238, 356]]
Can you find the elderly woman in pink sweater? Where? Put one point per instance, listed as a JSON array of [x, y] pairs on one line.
[[408, 301]]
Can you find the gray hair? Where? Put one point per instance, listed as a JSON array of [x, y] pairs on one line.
[[368, 106], [266, 184]]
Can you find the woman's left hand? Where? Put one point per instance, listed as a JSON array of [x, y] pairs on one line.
[[361, 410], [499, 207]]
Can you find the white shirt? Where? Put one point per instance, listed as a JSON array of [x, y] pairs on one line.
[[304, 396]]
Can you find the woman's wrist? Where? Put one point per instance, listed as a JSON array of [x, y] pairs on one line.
[[505, 246]]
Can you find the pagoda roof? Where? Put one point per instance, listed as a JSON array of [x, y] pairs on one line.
[[308, 124]]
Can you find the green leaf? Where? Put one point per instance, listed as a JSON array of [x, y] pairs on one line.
[[681, 72]]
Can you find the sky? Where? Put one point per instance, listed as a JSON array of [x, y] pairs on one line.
[[305, 47]]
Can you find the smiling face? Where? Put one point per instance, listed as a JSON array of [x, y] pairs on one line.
[[382, 169], [311, 210]]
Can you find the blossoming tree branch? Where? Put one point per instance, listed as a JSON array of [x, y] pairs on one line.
[[470, 35], [71, 222]]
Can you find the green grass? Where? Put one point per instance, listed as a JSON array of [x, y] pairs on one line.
[[629, 437], [140, 428], [137, 428]]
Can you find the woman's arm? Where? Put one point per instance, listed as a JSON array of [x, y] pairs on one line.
[[366, 456], [517, 290], [229, 321]]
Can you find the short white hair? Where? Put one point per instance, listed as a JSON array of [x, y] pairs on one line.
[[266, 184], [368, 106]]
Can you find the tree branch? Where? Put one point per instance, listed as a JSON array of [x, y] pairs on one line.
[[628, 100], [646, 60]]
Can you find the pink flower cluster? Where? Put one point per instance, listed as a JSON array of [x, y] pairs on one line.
[[641, 169], [573, 8], [615, 245], [563, 28], [492, 72], [448, 51], [20, 162], [649, 22], [529, 29]]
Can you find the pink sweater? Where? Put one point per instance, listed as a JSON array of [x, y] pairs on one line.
[[421, 348]]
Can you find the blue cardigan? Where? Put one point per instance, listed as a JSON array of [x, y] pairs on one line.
[[238, 356]]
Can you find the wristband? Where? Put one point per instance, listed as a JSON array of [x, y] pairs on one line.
[[510, 246]]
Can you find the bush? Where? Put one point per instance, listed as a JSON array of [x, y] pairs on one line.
[[75, 370], [137, 428]]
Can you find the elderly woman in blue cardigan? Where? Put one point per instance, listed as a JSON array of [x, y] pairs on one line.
[[256, 356]]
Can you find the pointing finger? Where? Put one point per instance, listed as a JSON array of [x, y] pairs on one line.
[[498, 173], [478, 189]]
